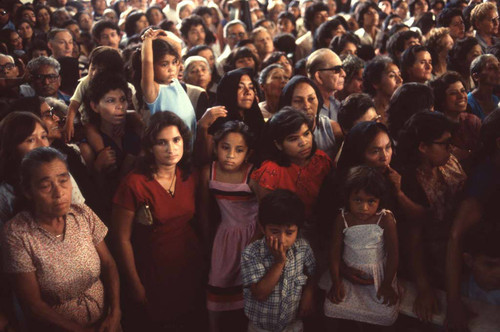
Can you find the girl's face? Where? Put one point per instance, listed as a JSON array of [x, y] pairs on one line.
[[199, 75], [16, 41], [379, 152], [297, 146], [231, 152], [421, 70], [141, 24], [390, 80], [437, 153], [275, 82], [456, 98], [246, 62], [304, 99], [38, 138], [169, 147], [472, 54], [112, 107], [166, 69], [25, 30], [43, 17], [246, 93], [362, 205]]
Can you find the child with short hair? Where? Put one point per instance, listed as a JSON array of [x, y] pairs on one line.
[[277, 269], [482, 256]]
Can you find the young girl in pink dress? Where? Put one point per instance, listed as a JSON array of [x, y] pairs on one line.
[[226, 179]]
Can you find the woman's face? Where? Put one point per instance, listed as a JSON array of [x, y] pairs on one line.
[[209, 55], [155, 16], [16, 41], [141, 24], [402, 10], [489, 24], [25, 30], [304, 99], [437, 153], [199, 74], [472, 54], [456, 98], [246, 93], [112, 107], [285, 26], [297, 146], [355, 84], [166, 69], [85, 22], [283, 61], [246, 62], [390, 80], [43, 17], [421, 70], [50, 189], [169, 147], [276, 81], [51, 121], [38, 138], [349, 48], [379, 152], [457, 27]]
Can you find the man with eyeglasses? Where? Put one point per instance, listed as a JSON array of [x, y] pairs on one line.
[[44, 79], [8, 67], [324, 67], [5, 22], [234, 31], [484, 19]]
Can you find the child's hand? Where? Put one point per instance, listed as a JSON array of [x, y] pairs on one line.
[[336, 293], [151, 33], [69, 130], [306, 306], [388, 294], [354, 275], [277, 249], [212, 114], [425, 305]]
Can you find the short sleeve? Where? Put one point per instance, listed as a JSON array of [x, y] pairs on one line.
[[79, 91], [125, 195], [16, 252], [268, 175], [97, 228], [309, 260], [252, 269]]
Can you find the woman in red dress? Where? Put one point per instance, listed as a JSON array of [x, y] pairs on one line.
[[157, 249]]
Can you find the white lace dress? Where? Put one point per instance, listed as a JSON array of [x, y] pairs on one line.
[[363, 250]]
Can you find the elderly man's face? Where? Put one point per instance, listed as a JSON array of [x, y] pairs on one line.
[[46, 81], [330, 77], [61, 45], [234, 34], [7, 67]]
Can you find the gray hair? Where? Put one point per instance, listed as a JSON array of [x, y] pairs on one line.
[[34, 159], [264, 74], [10, 57], [36, 63], [478, 63], [232, 24]]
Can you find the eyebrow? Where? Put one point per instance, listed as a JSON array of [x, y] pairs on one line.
[[58, 176]]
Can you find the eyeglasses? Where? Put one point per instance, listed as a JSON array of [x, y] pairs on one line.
[[7, 66], [41, 77], [335, 69], [239, 35], [3, 13], [49, 113]]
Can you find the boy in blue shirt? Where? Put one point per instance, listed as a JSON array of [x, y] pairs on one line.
[[276, 269]]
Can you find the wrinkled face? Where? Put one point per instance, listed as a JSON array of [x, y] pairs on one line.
[[330, 79], [109, 37], [264, 43], [437, 153], [246, 93], [355, 85], [169, 147], [456, 98], [141, 24], [43, 17], [370, 18], [379, 152], [25, 30], [209, 55], [46, 81], [298, 145], [362, 205], [286, 234], [285, 26], [8, 69], [166, 69], [275, 82], [16, 41], [112, 107], [196, 36], [489, 24], [50, 189], [51, 121], [457, 28], [231, 152], [61, 45], [421, 70], [235, 33], [38, 138], [198, 74], [304, 99]]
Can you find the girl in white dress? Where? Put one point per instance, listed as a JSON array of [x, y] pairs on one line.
[[365, 239]]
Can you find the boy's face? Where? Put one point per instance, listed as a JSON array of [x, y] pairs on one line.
[[286, 234], [485, 270]]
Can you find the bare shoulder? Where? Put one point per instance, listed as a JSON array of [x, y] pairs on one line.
[[388, 220]]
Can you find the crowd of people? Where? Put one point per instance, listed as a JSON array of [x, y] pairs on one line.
[[251, 165]]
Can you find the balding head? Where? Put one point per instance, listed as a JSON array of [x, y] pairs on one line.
[[324, 67]]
